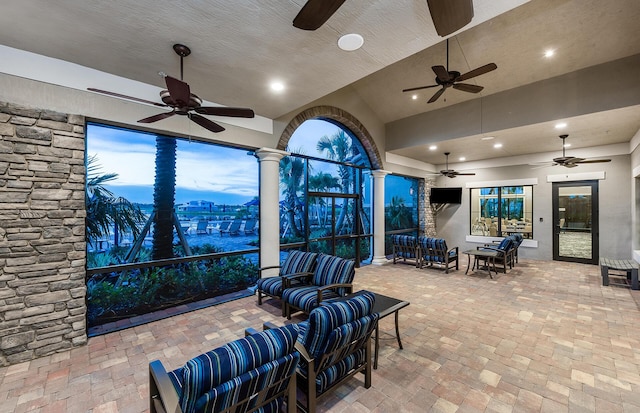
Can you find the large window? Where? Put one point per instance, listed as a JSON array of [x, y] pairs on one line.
[[323, 201], [400, 207], [500, 211], [169, 221]]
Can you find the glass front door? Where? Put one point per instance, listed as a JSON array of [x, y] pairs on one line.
[[575, 220]]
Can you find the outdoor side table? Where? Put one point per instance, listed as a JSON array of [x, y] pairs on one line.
[[385, 306], [488, 256]]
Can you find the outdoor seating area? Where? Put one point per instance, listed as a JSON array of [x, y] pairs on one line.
[[493, 359]]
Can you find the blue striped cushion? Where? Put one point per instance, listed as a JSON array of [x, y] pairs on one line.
[[306, 298], [405, 244], [271, 285], [248, 384], [324, 319], [206, 372], [505, 244], [333, 270], [298, 261]]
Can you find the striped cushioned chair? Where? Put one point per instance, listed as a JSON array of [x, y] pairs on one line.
[[505, 252], [435, 251], [335, 345], [297, 262], [332, 278], [404, 248], [252, 374]]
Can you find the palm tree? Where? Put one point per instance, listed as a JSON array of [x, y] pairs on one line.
[[291, 174], [322, 182], [105, 211], [339, 148], [164, 189], [399, 215]]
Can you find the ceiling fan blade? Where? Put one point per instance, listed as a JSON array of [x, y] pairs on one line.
[[157, 117], [226, 111], [441, 73], [465, 173], [118, 95], [205, 123], [450, 15], [465, 87], [477, 72], [179, 90], [315, 13], [436, 96], [593, 161], [419, 88]]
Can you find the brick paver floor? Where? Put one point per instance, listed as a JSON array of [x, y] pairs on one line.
[[545, 337]]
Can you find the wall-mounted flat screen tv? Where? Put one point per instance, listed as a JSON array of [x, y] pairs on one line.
[[446, 196]]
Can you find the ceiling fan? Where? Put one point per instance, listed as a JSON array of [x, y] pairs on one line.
[[450, 173], [572, 161], [446, 79], [179, 98], [448, 15]]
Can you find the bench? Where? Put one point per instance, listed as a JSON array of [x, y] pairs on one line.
[[628, 266]]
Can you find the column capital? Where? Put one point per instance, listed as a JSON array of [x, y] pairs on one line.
[[269, 154], [380, 173]]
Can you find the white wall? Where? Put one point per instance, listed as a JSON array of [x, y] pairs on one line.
[[615, 200]]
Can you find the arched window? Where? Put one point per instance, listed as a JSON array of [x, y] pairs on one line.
[[324, 197]]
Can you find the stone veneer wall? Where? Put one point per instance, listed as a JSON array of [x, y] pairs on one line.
[[42, 242], [427, 214]]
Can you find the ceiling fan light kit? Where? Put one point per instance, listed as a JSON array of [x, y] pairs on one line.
[[179, 98], [446, 78]]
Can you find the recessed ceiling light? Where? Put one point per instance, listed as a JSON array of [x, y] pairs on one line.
[[462, 158], [414, 97], [433, 147], [561, 125], [566, 145], [488, 138], [350, 42], [277, 86], [497, 145], [549, 52]]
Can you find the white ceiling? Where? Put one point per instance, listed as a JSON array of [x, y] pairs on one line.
[[239, 47]]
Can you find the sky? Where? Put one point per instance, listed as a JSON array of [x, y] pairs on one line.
[[203, 171], [208, 172]]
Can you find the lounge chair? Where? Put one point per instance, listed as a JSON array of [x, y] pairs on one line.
[[234, 228], [250, 226], [254, 373], [201, 228], [223, 226]]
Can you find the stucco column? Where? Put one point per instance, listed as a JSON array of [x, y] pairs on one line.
[[269, 207], [379, 257]]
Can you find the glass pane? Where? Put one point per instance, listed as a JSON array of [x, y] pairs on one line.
[[320, 217], [574, 213], [292, 208], [401, 202]]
